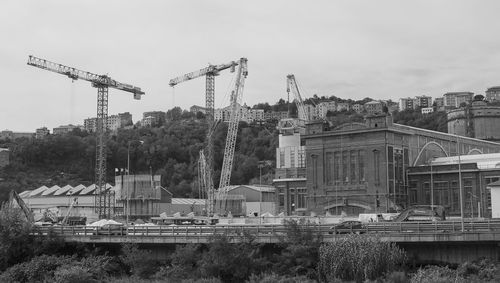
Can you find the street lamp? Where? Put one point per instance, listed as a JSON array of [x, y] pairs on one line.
[[432, 184], [460, 179]]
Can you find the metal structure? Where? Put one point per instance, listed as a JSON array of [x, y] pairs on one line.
[[14, 197], [291, 85], [209, 72], [102, 83], [292, 125], [65, 219], [234, 118]]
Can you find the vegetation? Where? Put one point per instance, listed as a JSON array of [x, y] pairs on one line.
[[171, 150], [358, 258], [300, 257]]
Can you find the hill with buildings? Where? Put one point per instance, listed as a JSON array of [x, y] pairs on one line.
[[168, 143]]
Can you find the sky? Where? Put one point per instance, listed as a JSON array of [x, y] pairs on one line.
[[381, 49]]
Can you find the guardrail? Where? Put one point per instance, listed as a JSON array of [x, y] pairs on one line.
[[383, 228]]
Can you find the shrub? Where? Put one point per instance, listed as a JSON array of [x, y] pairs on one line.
[[231, 262], [37, 269], [436, 274], [73, 274], [299, 254], [480, 269], [358, 257], [275, 278], [139, 262]]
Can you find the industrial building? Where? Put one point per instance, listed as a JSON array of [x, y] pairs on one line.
[[437, 182], [133, 197], [362, 167], [477, 120]]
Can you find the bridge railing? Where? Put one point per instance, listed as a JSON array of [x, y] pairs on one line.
[[399, 228]]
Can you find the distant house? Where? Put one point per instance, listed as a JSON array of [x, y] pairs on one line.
[[4, 157]]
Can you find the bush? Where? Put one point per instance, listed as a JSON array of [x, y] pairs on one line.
[[299, 254], [73, 274], [275, 278], [481, 269], [230, 262], [436, 274], [357, 258], [139, 262], [37, 269], [16, 245]]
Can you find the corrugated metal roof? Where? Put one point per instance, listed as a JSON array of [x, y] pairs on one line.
[[50, 190], [63, 190], [38, 191], [88, 190], [25, 194], [195, 201], [76, 190]]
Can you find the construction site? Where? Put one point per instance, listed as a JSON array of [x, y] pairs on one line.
[[141, 198]]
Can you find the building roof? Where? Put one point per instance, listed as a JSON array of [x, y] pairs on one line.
[[255, 188], [483, 161], [38, 191], [50, 190], [25, 194], [4, 149], [76, 190], [196, 201], [63, 190]]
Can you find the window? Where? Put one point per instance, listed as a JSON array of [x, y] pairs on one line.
[[352, 170], [329, 168], [361, 165], [376, 166], [302, 162], [292, 157], [282, 157], [336, 166], [345, 167], [489, 180], [301, 197]]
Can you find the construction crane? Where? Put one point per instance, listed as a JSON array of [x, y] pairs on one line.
[[291, 85], [293, 125], [234, 119], [209, 72], [102, 83], [14, 197], [65, 219]]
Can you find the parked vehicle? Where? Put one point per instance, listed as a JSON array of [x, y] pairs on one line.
[[348, 227], [111, 229]]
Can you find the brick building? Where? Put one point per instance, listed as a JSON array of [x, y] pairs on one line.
[[361, 167]]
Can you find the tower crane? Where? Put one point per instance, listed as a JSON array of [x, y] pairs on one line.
[[234, 118], [102, 83], [206, 174]]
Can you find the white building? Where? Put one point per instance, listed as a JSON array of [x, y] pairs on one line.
[[427, 110], [324, 107]]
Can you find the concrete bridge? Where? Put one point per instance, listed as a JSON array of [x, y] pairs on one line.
[[447, 241]]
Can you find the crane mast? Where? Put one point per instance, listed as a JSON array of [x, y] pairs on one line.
[[102, 83], [206, 175], [234, 118]]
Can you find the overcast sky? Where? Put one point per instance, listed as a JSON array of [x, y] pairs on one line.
[[351, 49]]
